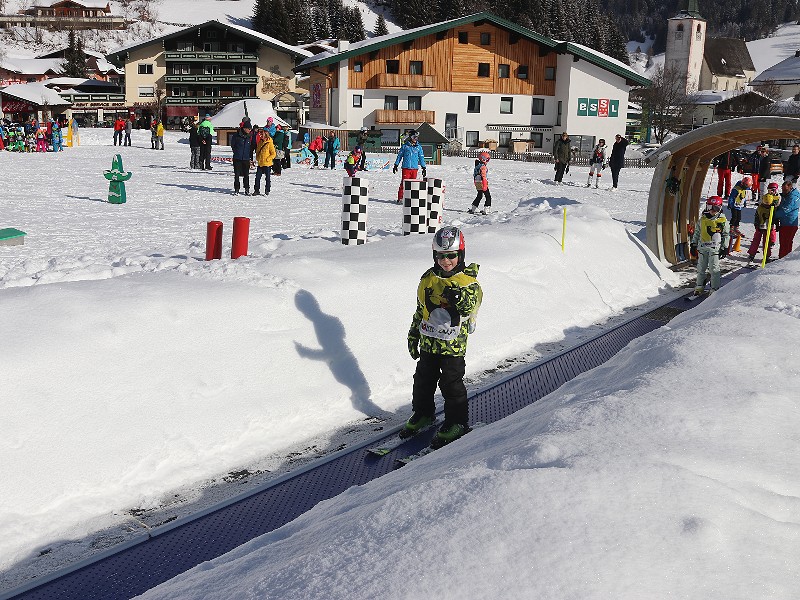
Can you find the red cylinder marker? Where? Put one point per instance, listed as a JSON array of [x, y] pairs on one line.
[[241, 231], [214, 240]]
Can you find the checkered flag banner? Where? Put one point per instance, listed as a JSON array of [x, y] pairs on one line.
[[355, 194], [415, 206], [435, 204]]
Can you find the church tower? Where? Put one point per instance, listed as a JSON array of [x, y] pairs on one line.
[[686, 40]]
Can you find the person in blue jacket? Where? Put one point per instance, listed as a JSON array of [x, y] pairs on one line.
[[332, 146], [241, 144], [786, 216], [412, 158]]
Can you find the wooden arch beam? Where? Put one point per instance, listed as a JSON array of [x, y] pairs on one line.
[[668, 216]]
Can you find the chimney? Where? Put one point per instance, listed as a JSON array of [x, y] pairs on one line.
[[343, 45]]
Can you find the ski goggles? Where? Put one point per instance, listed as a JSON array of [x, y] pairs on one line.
[[449, 255]]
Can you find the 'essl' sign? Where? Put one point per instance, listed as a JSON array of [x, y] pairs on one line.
[[598, 107]]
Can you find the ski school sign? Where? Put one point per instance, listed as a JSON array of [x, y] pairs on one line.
[[598, 107]]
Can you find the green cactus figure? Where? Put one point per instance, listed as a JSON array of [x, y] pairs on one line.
[[117, 178]]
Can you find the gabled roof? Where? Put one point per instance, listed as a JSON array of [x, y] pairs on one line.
[[785, 72], [376, 43], [248, 33], [709, 97], [35, 93], [728, 57], [32, 66], [85, 3]]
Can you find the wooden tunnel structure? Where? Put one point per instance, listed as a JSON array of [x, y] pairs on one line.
[[687, 158]]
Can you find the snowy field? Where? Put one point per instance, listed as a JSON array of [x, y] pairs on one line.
[[136, 371]]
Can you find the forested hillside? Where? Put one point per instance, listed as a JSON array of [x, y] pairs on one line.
[[605, 25]]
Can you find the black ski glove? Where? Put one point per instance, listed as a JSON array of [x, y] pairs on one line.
[[452, 295], [723, 252], [413, 343], [424, 172], [394, 169]]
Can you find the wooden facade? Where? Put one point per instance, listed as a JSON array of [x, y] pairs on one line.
[[448, 65]]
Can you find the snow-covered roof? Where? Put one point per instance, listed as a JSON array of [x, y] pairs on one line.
[[785, 72], [71, 82], [265, 39], [258, 111], [31, 66], [84, 3], [708, 97], [35, 93]]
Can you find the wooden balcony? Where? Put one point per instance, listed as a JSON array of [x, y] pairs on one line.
[[405, 116], [405, 81]]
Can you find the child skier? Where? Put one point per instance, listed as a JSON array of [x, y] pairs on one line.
[[412, 158], [771, 199], [710, 242], [597, 163], [738, 200], [352, 161], [448, 298], [480, 175]]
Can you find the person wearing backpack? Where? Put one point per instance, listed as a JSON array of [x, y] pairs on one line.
[[206, 132], [194, 145]]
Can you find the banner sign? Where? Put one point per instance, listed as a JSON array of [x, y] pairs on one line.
[[16, 106], [598, 107]]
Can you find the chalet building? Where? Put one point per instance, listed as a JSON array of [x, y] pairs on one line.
[[97, 67], [784, 77], [14, 69], [477, 79], [709, 106], [716, 64], [65, 14], [201, 68]]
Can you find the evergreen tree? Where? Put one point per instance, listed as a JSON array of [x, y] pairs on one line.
[[322, 29], [380, 27], [357, 32], [260, 17], [74, 64], [279, 24]]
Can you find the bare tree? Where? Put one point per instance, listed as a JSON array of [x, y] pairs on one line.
[[770, 88], [664, 103]]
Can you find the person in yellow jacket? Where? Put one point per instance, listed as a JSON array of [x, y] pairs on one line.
[[265, 155], [710, 243]]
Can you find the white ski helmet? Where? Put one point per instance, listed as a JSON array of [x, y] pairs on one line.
[[449, 239]]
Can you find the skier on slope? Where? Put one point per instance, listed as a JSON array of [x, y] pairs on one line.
[[480, 176], [710, 242], [597, 163], [448, 298]]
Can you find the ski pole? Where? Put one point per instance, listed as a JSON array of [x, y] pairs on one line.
[[766, 238], [564, 229], [710, 181]]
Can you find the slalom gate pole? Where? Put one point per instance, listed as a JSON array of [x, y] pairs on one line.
[[564, 229], [213, 240], [766, 238], [241, 231]]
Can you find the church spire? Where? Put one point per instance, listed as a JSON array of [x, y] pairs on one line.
[[690, 8]]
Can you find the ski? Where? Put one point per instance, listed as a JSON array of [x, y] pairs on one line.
[[396, 441], [428, 449]]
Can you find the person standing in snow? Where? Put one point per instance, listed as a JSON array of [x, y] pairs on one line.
[[786, 215], [412, 157], [448, 299], [352, 161], [361, 140], [315, 147], [597, 163], [724, 163], [278, 141], [119, 128], [769, 202], [617, 159], [265, 155], [331, 150], [128, 129], [710, 243], [480, 175], [792, 169], [194, 145], [206, 132], [562, 154], [738, 201], [242, 156]]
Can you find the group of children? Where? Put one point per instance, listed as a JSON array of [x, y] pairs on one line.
[[46, 137]]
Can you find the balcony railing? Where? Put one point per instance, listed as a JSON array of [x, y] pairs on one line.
[[210, 56], [205, 100], [415, 117], [94, 97], [405, 81], [252, 79]]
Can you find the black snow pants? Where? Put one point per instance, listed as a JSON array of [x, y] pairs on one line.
[[448, 373]]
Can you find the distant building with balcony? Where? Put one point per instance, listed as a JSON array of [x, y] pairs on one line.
[[476, 78], [201, 68], [65, 14], [97, 67]]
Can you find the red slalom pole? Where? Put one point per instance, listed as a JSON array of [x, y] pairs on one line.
[[214, 240], [241, 231]]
